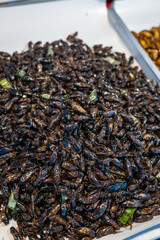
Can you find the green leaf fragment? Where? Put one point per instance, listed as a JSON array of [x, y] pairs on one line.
[[111, 60], [46, 96], [67, 97], [93, 95], [121, 180], [12, 202], [124, 91], [128, 212], [64, 197], [50, 50], [21, 73], [5, 84], [134, 119]]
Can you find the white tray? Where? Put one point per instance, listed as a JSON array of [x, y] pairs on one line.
[[54, 20]]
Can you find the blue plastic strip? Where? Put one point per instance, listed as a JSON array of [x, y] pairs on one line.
[[144, 232]]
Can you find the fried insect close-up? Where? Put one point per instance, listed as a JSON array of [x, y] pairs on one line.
[[79, 142]]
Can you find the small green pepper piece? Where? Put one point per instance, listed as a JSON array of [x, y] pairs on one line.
[[93, 95], [46, 96], [5, 84], [50, 50], [21, 73], [12, 202], [128, 212]]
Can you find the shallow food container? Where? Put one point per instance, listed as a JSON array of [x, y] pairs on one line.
[[136, 15], [50, 21]]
